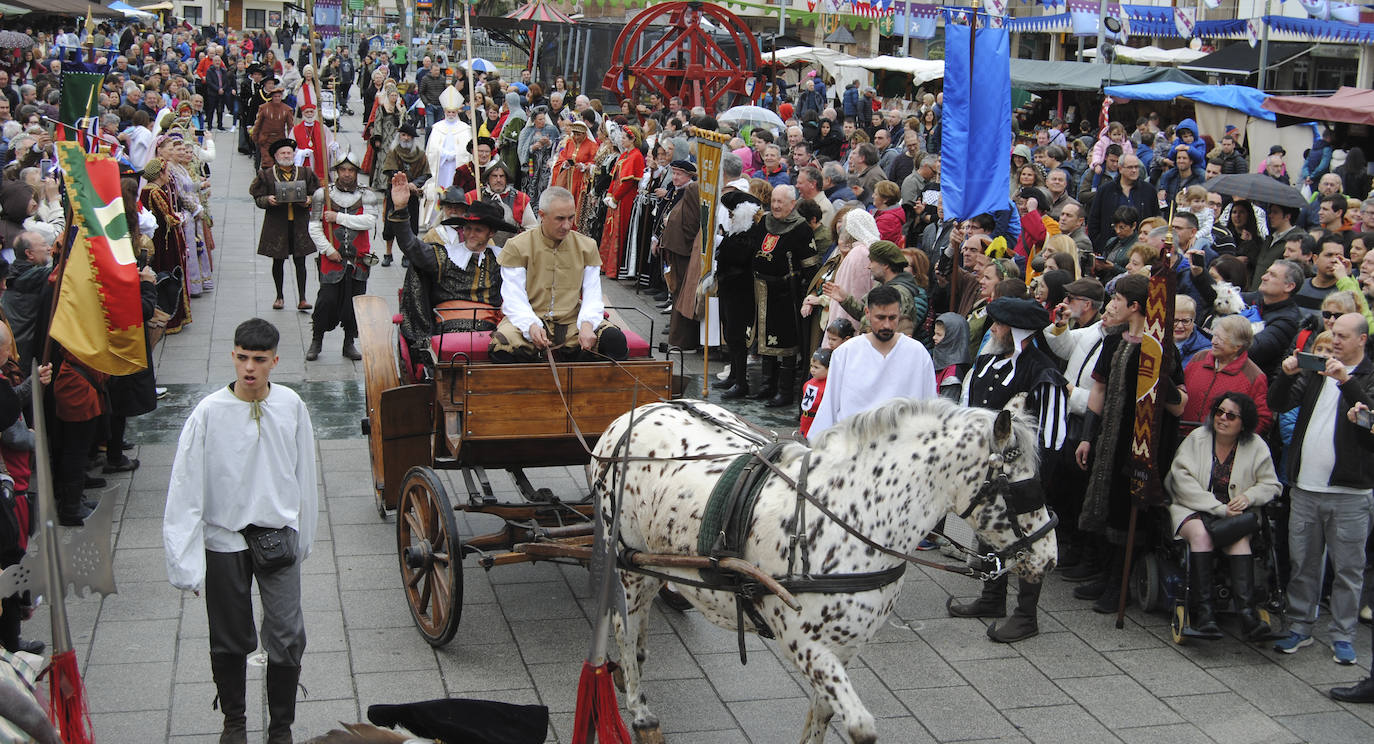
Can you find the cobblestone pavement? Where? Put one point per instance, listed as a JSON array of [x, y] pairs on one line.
[[525, 629]]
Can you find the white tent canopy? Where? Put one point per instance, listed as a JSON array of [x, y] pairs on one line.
[[842, 66], [920, 70], [1182, 55]]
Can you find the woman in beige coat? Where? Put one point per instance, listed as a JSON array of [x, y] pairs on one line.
[[1221, 470]]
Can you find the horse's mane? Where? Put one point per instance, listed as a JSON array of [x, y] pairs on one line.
[[878, 422]]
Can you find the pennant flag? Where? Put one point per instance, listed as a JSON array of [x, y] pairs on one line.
[[1185, 19], [997, 7], [99, 315], [81, 83], [1345, 12], [976, 122], [1252, 32], [1319, 9], [1212, 4]]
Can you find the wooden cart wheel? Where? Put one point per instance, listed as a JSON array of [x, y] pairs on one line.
[[431, 555]]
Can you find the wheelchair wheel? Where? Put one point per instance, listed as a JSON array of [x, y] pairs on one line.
[[1147, 582], [1177, 623]]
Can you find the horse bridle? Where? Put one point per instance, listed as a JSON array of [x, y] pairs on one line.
[[1019, 496]]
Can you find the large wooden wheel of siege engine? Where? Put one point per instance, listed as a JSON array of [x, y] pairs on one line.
[[431, 555], [687, 60], [400, 418]]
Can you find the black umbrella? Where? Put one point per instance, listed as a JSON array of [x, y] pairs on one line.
[[15, 40], [1256, 187]]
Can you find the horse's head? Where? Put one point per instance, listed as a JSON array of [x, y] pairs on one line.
[[1008, 510]]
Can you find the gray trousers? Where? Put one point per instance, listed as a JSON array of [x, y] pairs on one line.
[[1327, 525], [229, 605]]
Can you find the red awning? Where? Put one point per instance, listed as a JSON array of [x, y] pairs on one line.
[[538, 12], [1348, 105]]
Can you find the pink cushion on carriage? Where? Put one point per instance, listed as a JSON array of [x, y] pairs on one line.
[[474, 345]]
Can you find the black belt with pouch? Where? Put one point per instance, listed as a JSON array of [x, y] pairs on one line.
[[272, 548]]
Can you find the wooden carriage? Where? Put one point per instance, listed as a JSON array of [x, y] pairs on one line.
[[475, 416]]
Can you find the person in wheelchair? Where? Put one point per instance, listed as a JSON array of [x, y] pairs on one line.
[[455, 263], [1222, 474]]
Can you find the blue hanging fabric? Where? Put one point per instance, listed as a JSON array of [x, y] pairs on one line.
[[975, 149]]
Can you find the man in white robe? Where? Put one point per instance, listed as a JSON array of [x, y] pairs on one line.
[[447, 147], [880, 365], [246, 458]]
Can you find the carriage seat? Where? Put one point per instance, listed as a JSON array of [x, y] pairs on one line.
[[474, 345]]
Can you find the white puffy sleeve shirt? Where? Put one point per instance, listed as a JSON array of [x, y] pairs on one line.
[[239, 463]]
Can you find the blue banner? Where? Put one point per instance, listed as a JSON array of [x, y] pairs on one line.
[[975, 151]]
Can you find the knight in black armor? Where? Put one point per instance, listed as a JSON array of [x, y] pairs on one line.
[[341, 216], [1017, 371]]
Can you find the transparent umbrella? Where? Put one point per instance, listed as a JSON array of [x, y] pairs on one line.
[[757, 117]]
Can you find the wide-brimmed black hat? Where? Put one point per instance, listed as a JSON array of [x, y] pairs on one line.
[[472, 721], [484, 213], [1020, 313], [279, 144], [488, 141], [685, 166], [407, 129], [453, 195]]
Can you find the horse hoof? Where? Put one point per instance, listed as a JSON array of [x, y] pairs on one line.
[[648, 733]]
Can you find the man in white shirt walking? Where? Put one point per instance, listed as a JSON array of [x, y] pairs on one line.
[[245, 470], [876, 367]]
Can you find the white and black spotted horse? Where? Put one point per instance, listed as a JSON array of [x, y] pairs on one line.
[[891, 473]]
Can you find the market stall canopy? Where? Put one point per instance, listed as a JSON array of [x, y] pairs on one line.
[[67, 8], [1243, 59], [1348, 105], [920, 70], [838, 64], [1242, 98], [1153, 54], [131, 11], [1038, 75]]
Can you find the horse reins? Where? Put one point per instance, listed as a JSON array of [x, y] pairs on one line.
[[996, 559]]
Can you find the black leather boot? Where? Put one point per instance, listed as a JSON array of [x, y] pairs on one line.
[[230, 672], [1023, 623], [736, 389], [349, 350], [1202, 614], [281, 702], [1360, 692], [313, 353], [991, 603], [71, 512], [1243, 586], [1106, 602], [769, 388], [787, 379]]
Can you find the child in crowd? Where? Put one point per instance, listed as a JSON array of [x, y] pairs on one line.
[[814, 389], [839, 331]]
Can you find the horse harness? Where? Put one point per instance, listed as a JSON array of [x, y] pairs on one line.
[[729, 512]]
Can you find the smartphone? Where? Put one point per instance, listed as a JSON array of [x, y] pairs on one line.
[[1364, 419], [1314, 362], [45, 167]]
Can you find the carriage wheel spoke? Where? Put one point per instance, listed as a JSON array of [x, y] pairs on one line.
[[414, 578], [423, 603], [414, 523], [443, 593]]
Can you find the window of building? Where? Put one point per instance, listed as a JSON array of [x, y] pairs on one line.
[[254, 18], [192, 14]]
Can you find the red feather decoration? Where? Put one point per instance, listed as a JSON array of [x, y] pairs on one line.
[[598, 712], [67, 700]]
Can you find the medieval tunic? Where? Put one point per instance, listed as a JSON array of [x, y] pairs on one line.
[[861, 378], [995, 380], [240, 463], [169, 247], [442, 269], [273, 123], [556, 285], [312, 147], [341, 281], [782, 267], [565, 172], [629, 168], [285, 227], [416, 167]]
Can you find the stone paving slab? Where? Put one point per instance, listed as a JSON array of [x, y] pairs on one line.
[[525, 629]]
